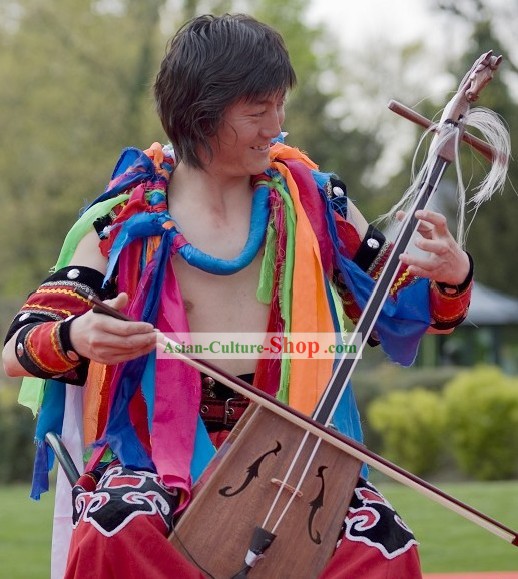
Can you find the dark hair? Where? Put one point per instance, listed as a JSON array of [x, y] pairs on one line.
[[211, 63]]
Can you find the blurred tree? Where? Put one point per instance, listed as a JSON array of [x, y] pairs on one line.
[[370, 78], [491, 239], [75, 80]]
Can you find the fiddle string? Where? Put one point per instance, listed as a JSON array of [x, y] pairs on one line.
[[299, 484], [429, 178], [350, 447], [284, 483]]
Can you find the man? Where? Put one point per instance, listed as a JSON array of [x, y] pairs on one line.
[[229, 231]]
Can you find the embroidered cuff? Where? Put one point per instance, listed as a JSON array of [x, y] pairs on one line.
[[56, 298], [455, 290], [449, 304], [45, 351], [43, 345]]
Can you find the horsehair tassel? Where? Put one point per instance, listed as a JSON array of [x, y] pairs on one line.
[[443, 151], [410, 114], [496, 134], [457, 115]]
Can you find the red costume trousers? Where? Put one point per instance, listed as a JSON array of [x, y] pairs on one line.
[[122, 519]]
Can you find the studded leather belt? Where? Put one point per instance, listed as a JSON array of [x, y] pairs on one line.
[[218, 413], [223, 413]]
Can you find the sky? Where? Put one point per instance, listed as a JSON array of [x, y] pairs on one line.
[[373, 27], [361, 24], [401, 20], [365, 24]]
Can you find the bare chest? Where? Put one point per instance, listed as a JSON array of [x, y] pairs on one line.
[[223, 304]]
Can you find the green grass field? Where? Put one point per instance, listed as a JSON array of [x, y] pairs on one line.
[[448, 542], [25, 534]]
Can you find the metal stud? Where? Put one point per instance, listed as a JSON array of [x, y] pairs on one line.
[[207, 385], [73, 273], [72, 356], [373, 243]]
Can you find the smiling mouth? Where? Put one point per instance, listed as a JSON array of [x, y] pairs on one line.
[[262, 148]]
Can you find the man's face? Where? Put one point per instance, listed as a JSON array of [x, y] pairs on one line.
[[242, 143]]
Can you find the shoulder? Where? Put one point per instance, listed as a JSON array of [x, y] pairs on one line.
[[88, 253]]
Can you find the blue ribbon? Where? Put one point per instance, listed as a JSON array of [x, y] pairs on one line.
[[135, 165], [50, 419], [256, 237], [120, 433]]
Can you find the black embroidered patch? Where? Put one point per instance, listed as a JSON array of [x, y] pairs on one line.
[[120, 496], [372, 520]]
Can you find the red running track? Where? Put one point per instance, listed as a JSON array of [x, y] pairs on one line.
[[486, 575]]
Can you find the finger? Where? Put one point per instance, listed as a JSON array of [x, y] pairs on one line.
[[119, 302], [421, 272], [128, 343], [436, 246], [106, 339], [414, 262], [112, 322], [113, 353], [420, 269], [111, 358], [114, 328], [425, 229], [129, 329], [112, 307], [436, 220]]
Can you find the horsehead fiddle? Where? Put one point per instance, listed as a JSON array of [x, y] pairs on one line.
[[272, 493]]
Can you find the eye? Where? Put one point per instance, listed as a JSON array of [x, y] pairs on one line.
[[282, 101]]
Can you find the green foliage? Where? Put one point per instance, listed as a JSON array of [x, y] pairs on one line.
[[482, 416], [380, 379], [16, 434], [76, 81], [474, 411], [412, 425]]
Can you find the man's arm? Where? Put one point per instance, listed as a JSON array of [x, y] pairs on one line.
[[55, 333]]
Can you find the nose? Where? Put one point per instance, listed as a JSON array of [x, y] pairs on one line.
[[273, 124]]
